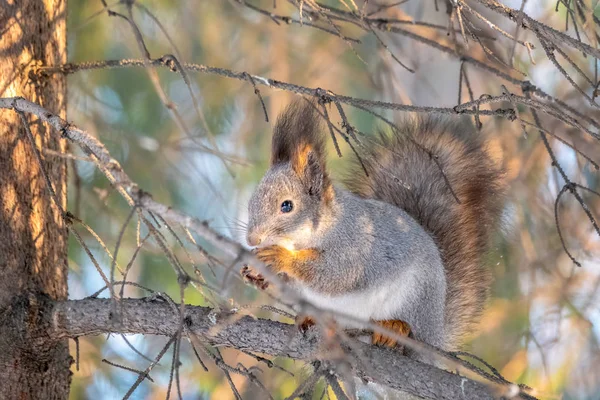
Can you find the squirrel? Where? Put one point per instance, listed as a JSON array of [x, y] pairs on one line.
[[402, 244]]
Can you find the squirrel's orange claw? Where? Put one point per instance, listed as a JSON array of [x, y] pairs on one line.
[[399, 327], [254, 278], [304, 323]]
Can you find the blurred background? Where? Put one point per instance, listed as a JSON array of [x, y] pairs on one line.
[[542, 324]]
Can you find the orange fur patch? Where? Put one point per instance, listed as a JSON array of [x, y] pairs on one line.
[[328, 194], [295, 263], [396, 325], [300, 159]]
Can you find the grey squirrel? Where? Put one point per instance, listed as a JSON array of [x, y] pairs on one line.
[[402, 244]]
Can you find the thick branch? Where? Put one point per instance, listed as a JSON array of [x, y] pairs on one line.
[[93, 317]]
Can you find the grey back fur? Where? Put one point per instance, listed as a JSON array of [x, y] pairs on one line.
[[439, 171]]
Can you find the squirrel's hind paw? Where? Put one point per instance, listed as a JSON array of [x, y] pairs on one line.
[[401, 328], [304, 323]]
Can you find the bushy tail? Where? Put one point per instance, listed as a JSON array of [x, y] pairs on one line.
[[424, 169]]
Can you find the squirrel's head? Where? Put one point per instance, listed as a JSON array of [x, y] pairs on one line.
[[286, 207]]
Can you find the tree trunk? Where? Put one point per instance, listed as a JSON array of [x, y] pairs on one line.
[[33, 235]]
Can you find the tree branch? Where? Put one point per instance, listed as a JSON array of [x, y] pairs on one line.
[[539, 28], [94, 316], [121, 181], [77, 318], [166, 61]]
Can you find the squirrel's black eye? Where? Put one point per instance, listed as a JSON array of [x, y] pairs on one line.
[[287, 206]]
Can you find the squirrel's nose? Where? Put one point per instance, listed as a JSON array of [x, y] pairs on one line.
[[253, 239]]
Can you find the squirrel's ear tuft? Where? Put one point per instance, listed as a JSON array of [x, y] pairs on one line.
[[298, 139]]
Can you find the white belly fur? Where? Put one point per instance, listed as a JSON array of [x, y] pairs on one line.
[[378, 303]]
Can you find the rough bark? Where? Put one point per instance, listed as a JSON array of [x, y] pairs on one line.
[[94, 316], [33, 236]]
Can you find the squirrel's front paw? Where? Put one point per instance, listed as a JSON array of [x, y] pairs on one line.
[[273, 256], [297, 264], [254, 278]]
